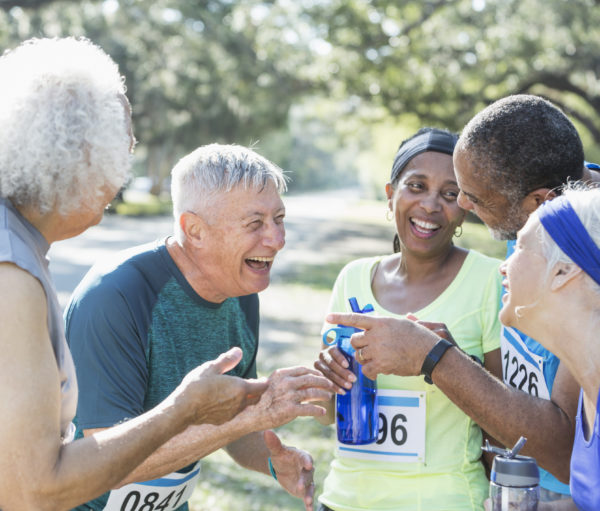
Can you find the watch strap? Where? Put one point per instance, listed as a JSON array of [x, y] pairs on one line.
[[433, 357]]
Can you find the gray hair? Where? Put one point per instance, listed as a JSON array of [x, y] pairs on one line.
[[521, 143], [64, 135], [585, 200], [213, 169]]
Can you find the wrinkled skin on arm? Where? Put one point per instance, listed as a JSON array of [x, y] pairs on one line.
[[38, 471]]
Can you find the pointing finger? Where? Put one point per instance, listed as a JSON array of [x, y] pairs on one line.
[[361, 321]]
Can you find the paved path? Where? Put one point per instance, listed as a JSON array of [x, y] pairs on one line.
[[318, 241]]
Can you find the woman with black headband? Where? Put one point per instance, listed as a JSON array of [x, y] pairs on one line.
[[428, 455], [552, 283]]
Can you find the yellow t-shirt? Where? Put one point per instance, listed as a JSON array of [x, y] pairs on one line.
[[451, 477]]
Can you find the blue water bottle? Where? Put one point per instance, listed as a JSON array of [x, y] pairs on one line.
[[357, 416]]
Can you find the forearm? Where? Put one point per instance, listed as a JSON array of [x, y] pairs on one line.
[[194, 443], [507, 413], [250, 452], [88, 467]]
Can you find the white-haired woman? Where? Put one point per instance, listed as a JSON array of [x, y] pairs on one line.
[[65, 142], [552, 286]]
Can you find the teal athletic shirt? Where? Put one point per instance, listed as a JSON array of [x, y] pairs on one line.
[[136, 327]]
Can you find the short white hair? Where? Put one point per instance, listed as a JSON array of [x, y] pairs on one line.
[[213, 169], [64, 135], [585, 200]]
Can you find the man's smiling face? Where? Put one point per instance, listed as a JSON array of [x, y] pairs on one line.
[[244, 233], [478, 194]]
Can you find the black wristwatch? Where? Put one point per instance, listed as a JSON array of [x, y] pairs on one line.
[[433, 357]]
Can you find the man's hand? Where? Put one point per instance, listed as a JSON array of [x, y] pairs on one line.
[[294, 469], [437, 328], [291, 394], [388, 345], [213, 398]]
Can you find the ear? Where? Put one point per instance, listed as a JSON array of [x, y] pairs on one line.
[[534, 199], [193, 228], [562, 274], [389, 193]]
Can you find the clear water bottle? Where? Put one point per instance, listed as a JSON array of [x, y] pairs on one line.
[[514, 481], [357, 417]]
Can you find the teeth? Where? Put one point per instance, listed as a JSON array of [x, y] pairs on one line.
[[425, 225], [261, 259]]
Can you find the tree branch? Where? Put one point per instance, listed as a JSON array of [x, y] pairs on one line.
[[561, 83]]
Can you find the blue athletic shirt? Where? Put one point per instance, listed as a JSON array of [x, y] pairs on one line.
[[523, 358], [585, 461], [136, 327]]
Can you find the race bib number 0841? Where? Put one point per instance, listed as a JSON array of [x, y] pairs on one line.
[[164, 494]]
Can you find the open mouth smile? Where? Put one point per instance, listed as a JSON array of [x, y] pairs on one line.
[[423, 228], [260, 263]]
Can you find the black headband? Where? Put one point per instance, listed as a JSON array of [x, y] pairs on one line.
[[434, 140]]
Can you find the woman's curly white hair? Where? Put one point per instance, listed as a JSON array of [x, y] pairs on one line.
[[64, 131]]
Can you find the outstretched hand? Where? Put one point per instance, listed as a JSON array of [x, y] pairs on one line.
[[294, 469], [291, 393], [215, 398]]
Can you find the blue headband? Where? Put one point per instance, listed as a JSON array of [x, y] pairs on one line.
[[436, 140], [562, 223]]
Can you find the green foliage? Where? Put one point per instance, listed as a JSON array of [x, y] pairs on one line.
[[196, 72], [326, 89], [444, 60]]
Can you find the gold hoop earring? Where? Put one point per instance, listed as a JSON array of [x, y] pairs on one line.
[[458, 231], [389, 215]]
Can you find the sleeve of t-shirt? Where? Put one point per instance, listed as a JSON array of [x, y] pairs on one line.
[[109, 355], [250, 306]]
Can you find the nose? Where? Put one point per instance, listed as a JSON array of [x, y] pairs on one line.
[[502, 268], [463, 202], [274, 236], [430, 202]]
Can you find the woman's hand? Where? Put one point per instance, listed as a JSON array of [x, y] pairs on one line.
[[437, 328], [333, 365]]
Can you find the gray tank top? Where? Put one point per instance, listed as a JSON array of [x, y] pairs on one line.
[[22, 244]]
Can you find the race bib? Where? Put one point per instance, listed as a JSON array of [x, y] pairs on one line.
[[164, 494], [521, 368], [401, 436]]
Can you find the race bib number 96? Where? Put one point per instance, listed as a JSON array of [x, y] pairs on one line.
[[401, 435]]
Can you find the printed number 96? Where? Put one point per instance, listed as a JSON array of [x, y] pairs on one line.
[[396, 430]]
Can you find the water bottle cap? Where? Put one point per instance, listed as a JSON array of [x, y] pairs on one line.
[[520, 471]]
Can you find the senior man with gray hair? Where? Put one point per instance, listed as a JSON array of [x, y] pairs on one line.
[[138, 322]]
